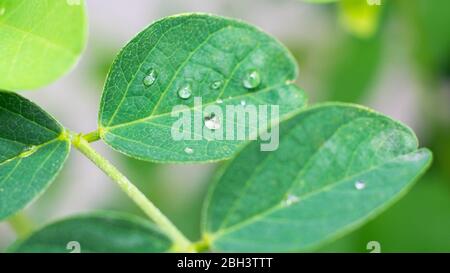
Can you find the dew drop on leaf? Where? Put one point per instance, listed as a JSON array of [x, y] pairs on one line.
[[252, 80], [219, 101], [216, 84], [185, 92], [243, 103], [150, 78], [188, 150], [28, 151], [290, 200], [360, 185], [212, 122]]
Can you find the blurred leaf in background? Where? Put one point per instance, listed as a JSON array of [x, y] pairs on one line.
[[46, 37]]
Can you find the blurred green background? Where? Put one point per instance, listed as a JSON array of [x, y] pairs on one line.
[[393, 57]]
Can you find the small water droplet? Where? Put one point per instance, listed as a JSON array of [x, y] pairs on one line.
[[252, 80], [360, 185], [188, 150], [216, 84], [243, 103], [219, 101], [28, 151], [150, 78], [212, 122], [290, 200], [185, 92]]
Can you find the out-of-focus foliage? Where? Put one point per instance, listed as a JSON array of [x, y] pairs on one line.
[[39, 41]]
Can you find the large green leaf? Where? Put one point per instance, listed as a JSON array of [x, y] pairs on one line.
[[39, 41], [96, 232], [211, 55], [337, 166], [33, 149]]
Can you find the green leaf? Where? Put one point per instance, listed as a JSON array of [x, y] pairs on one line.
[[360, 17], [337, 166], [213, 55], [96, 232], [39, 41], [33, 149]]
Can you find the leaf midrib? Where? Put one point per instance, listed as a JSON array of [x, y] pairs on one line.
[[252, 95], [279, 206]]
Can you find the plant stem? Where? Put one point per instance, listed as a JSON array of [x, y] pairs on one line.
[[21, 224], [92, 136], [181, 242]]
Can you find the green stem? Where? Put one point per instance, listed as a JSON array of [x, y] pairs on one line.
[[181, 242], [21, 224], [92, 136]]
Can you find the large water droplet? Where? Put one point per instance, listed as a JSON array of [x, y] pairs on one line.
[[360, 185], [28, 151], [185, 92], [290, 200], [188, 150], [216, 84], [150, 78], [212, 122], [252, 80]]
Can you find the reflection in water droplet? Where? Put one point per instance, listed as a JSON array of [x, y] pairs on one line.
[[290, 200], [359, 185], [185, 92], [188, 150], [216, 84], [212, 122], [219, 101], [243, 103], [150, 78], [252, 80], [28, 151]]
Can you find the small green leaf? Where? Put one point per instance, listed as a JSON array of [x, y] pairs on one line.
[[96, 232], [39, 41], [174, 60], [337, 166], [33, 149]]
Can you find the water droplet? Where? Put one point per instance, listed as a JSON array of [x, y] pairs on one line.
[[28, 151], [188, 150], [216, 84], [212, 122], [185, 92], [2, 11], [243, 103], [290, 200], [151, 77], [252, 80], [219, 101], [360, 185]]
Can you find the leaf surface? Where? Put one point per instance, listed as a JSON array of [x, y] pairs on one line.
[[40, 40], [213, 56], [337, 166], [32, 152], [96, 232]]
